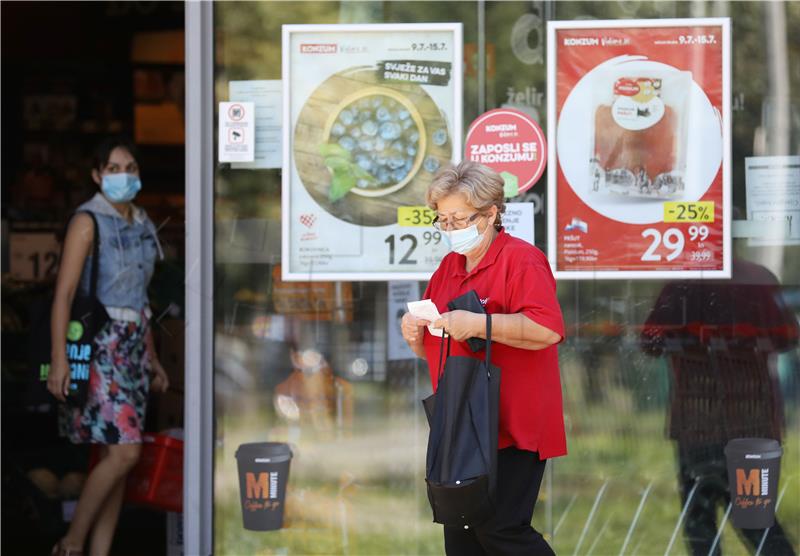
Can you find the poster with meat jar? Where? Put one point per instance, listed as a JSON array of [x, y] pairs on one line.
[[639, 130]]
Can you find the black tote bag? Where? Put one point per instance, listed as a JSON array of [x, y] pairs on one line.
[[461, 462], [87, 318]]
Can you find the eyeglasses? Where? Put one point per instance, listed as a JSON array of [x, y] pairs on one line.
[[454, 223]]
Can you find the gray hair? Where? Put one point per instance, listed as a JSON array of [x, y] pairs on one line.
[[481, 186]]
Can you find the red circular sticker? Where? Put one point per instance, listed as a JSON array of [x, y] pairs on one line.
[[236, 112], [511, 143]]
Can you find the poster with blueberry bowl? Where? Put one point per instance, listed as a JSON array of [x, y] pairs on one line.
[[375, 112]]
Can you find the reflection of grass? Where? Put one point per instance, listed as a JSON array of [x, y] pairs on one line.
[[628, 477], [357, 492], [383, 523], [362, 491]]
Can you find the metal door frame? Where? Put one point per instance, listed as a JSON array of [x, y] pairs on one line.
[[199, 344]]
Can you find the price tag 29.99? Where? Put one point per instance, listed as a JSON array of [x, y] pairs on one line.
[[673, 242]]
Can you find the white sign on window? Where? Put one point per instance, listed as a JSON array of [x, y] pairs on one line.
[[236, 132], [399, 294], [265, 94], [773, 196]]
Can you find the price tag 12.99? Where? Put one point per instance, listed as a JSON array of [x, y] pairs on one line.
[[405, 249]]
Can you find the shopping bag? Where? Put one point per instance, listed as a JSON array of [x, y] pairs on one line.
[[461, 460], [87, 318]]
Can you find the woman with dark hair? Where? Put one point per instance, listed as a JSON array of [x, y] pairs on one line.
[[124, 357]]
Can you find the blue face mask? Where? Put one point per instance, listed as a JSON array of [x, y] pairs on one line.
[[463, 241], [121, 188]]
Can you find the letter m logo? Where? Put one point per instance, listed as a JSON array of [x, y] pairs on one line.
[[258, 488], [747, 484]]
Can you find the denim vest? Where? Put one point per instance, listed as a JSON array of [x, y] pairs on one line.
[[127, 253]]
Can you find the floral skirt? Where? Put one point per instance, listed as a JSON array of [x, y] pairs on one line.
[[118, 388]]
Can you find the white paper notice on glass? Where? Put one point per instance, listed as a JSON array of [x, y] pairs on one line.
[[265, 94], [518, 221], [425, 309], [236, 137], [773, 195], [399, 293]]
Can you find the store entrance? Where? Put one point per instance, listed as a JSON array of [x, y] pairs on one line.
[[75, 74]]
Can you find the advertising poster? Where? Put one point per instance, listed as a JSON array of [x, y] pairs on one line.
[[640, 148], [371, 112]]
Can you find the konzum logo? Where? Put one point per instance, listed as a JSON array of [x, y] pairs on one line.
[[263, 486], [582, 41], [318, 49], [753, 483]]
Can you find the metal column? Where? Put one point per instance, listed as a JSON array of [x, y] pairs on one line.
[[199, 401]]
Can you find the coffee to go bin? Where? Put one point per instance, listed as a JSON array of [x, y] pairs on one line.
[[753, 468], [263, 474]]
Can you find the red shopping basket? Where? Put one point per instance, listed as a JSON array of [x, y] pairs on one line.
[[157, 480]]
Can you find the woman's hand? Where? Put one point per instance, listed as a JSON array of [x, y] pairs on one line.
[[58, 379], [159, 381], [461, 325], [411, 327]]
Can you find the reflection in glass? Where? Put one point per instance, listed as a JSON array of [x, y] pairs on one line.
[[721, 339]]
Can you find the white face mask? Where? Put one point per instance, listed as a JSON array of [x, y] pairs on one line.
[[463, 241]]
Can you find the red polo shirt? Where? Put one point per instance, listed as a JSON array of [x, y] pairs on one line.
[[513, 277]]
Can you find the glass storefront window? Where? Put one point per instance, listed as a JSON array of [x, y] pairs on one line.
[[307, 364]]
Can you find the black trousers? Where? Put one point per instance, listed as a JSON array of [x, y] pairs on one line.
[[509, 532]]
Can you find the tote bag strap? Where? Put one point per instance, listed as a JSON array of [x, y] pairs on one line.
[[94, 271], [488, 359], [441, 352]]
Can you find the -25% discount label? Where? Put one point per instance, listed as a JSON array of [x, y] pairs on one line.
[[694, 211], [670, 245]]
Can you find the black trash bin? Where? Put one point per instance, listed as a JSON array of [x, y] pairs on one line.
[[263, 474], [753, 471]]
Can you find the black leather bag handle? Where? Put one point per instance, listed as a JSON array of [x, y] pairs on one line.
[[441, 351], [488, 359], [95, 269]]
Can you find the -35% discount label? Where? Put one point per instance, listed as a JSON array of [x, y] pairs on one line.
[[415, 216]]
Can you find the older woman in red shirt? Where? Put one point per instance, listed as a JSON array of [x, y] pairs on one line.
[[515, 285]]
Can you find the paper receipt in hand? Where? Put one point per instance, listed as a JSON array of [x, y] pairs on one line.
[[425, 309]]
